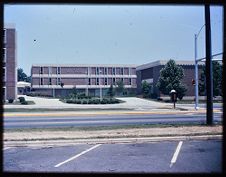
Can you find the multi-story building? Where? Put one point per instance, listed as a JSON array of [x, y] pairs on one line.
[[58, 80], [150, 72], [9, 63]]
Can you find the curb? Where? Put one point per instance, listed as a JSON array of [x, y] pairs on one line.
[[51, 143]]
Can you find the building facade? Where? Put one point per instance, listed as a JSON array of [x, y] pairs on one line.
[[9, 63], [150, 72], [59, 80]]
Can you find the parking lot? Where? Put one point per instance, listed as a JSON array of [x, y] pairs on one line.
[[190, 156]]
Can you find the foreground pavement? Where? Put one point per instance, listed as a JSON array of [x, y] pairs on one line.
[[182, 156]]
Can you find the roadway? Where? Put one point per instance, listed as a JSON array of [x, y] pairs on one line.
[[188, 156], [65, 119]]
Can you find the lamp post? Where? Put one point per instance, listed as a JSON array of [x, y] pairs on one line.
[[196, 71]]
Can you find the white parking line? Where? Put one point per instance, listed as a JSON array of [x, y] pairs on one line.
[[175, 155], [74, 157]]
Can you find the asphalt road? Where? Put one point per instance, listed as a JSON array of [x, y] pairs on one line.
[[190, 156], [55, 120]]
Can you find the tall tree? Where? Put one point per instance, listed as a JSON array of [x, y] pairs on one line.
[[111, 91], [146, 88], [21, 76], [170, 79], [217, 80], [120, 87]]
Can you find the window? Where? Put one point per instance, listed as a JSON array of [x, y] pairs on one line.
[[105, 81], [105, 71], [58, 81], [130, 81], [97, 71], [50, 81], [50, 70], [41, 71], [4, 36], [121, 71], [97, 81], [113, 81], [4, 54], [89, 81], [4, 74], [113, 71], [58, 70], [41, 81]]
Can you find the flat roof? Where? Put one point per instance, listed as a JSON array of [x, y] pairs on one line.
[[163, 62], [84, 65]]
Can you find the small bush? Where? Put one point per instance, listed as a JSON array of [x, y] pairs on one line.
[[22, 99], [10, 100], [24, 102], [78, 101], [84, 102], [96, 101], [69, 101]]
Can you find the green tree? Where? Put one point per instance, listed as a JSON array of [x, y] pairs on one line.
[[120, 87], [111, 91], [217, 80], [21, 76], [146, 88], [170, 78]]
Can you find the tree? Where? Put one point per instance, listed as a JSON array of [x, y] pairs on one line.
[[217, 80], [111, 91], [120, 87], [146, 88], [21, 76], [170, 78]]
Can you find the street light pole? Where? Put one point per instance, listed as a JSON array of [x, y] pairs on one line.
[[196, 72], [196, 76]]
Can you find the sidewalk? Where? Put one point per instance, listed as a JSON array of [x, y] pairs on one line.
[[131, 104]]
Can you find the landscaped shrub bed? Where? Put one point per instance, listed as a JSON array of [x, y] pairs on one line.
[[92, 101]]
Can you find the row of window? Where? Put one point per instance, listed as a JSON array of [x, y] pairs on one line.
[[98, 71], [4, 36], [4, 54], [58, 81]]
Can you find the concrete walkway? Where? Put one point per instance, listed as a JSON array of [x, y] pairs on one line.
[[130, 103]]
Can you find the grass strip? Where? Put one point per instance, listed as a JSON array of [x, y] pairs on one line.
[[116, 127]]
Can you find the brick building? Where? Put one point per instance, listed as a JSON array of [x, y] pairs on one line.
[[9, 63], [151, 72], [47, 79]]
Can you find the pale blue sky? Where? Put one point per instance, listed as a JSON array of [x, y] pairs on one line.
[[109, 34]]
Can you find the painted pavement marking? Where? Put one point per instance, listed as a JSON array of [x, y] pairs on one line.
[[76, 156], [176, 153]]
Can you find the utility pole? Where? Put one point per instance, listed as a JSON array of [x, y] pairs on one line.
[[209, 77]]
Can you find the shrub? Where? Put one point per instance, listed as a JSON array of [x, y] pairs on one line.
[[24, 102], [22, 99], [84, 101], [78, 101], [10, 100], [96, 101], [69, 101]]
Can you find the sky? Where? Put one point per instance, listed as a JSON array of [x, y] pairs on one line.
[[110, 34]]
